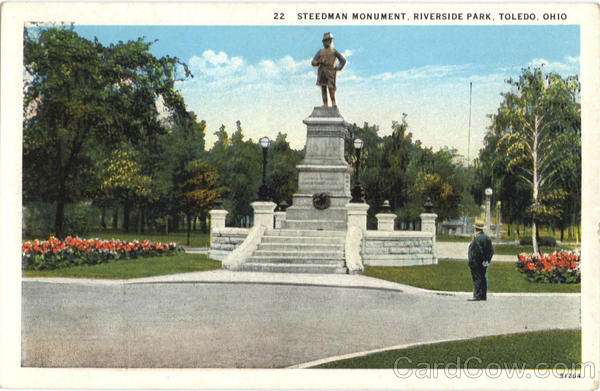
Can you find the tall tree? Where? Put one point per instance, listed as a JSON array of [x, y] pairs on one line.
[[198, 191], [540, 116], [80, 95]]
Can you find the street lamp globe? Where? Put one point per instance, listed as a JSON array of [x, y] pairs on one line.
[[264, 142], [358, 143]]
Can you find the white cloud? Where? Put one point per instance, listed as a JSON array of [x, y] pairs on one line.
[[424, 72], [569, 65], [212, 69]]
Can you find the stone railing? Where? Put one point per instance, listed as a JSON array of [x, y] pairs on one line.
[[354, 237], [245, 249], [398, 248]]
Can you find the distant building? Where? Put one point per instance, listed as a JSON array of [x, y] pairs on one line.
[[457, 227]]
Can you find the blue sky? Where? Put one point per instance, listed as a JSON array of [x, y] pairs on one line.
[[262, 75]]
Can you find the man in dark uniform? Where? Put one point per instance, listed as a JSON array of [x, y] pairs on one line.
[[325, 59], [480, 256]]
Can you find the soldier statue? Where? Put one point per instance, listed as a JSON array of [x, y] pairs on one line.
[[325, 59], [480, 256]]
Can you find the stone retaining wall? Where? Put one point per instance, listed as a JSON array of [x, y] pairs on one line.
[[225, 240], [398, 248]]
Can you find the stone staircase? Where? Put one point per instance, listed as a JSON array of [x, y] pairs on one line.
[[299, 251]]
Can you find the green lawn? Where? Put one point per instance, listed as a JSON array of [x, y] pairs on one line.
[[524, 350], [197, 239], [133, 268], [456, 276], [453, 238]]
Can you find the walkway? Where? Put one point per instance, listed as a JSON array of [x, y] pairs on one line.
[[459, 251], [257, 320]]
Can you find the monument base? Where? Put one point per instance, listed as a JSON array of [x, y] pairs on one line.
[[323, 175]]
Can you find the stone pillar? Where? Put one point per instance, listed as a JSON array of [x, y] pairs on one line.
[[357, 215], [217, 218], [280, 219], [385, 221], [488, 211], [264, 213], [499, 220], [428, 225]]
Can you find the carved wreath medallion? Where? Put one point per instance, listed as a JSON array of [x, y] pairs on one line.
[[321, 200]]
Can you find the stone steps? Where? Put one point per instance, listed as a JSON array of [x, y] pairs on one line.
[[292, 246], [298, 233], [299, 254], [301, 240], [297, 260], [292, 268], [298, 251], [316, 225]]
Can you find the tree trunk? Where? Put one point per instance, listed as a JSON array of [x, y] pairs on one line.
[[115, 219], [103, 217], [195, 218], [562, 234], [535, 184], [189, 229], [139, 221], [59, 218], [126, 213]]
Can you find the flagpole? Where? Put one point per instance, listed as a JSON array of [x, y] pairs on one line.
[[469, 140]]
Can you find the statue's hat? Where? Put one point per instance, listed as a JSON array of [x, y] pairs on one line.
[[327, 36]]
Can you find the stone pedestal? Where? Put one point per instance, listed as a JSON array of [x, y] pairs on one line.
[[263, 213], [279, 219], [217, 218], [323, 175], [357, 215], [488, 212], [428, 225], [385, 221]]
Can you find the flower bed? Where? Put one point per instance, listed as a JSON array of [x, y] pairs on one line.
[[55, 253], [561, 267]]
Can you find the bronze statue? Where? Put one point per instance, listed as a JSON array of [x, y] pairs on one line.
[[325, 59]]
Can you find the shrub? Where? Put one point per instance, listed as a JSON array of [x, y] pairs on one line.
[[561, 267], [545, 241], [73, 251]]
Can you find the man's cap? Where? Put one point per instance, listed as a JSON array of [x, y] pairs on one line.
[[327, 36], [479, 225]]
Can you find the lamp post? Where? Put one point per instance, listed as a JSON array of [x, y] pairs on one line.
[[263, 191], [357, 190]]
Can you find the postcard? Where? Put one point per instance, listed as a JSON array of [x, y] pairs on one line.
[[300, 195]]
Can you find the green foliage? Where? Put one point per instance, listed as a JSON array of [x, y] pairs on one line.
[[83, 99], [123, 177], [282, 175], [533, 149], [80, 219], [239, 163], [403, 171], [545, 241], [199, 188]]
